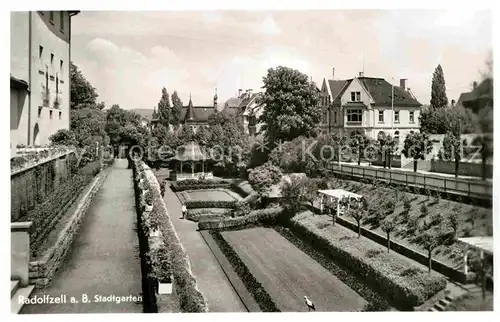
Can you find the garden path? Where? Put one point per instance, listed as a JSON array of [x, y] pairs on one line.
[[103, 259]]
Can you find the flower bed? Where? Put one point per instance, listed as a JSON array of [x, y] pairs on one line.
[[190, 298], [203, 214], [255, 288], [209, 204], [400, 280], [199, 184], [46, 215], [269, 216]]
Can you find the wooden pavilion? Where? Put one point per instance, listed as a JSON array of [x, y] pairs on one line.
[[190, 163]]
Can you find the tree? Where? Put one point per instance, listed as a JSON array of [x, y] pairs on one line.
[[384, 142], [430, 238], [292, 197], [63, 137], [417, 146], [186, 134], [165, 109], [388, 225], [264, 177], [177, 108], [359, 213], [83, 94], [452, 148], [438, 89], [453, 222], [291, 102], [485, 140], [360, 142]]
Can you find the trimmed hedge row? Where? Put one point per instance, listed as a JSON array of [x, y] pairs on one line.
[[255, 288], [190, 298], [269, 216], [46, 215], [190, 204], [202, 214], [243, 188], [399, 280], [199, 184]]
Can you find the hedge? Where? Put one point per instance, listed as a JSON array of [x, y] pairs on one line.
[[386, 271], [269, 216], [243, 188], [190, 298], [199, 184], [255, 288], [202, 214], [46, 215], [210, 204]]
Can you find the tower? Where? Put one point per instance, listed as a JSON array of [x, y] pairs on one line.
[[189, 113]]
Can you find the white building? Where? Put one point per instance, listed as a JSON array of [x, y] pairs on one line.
[[39, 75], [370, 106]]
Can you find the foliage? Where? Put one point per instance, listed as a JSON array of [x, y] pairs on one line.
[[177, 106], [89, 128], [291, 101], [264, 177], [63, 137], [241, 209], [255, 288], [199, 184], [358, 215], [417, 146], [266, 216], [297, 191], [360, 142], [210, 204], [160, 262], [82, 93], [383, 270], [442, 120], [438, 89], [430, 238], [116, 119]]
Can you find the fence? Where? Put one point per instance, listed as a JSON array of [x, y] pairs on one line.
[[470, 188]]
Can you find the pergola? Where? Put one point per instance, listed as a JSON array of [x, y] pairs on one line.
[[483, 244], [190, 154], [338, 194]]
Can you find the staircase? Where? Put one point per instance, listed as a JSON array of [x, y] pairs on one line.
[[16, 292], [442, 305]]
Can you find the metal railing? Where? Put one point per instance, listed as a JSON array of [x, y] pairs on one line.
[[470, 188]]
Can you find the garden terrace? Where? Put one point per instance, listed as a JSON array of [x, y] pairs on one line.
[[30, 158], [470, 220], [393, 275]]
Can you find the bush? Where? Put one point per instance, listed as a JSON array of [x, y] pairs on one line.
[[201, 214], [178, 186], [255, 288], [243, 188], [210, 204], [383, 270], [269, 216]]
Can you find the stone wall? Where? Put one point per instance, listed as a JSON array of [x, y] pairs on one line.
[[464, 168], [32, 184], [42, 270]]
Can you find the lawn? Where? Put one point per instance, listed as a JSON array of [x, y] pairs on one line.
[[209, 195], [288, 274], [473, 220]]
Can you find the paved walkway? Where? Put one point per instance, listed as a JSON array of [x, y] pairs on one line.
[[212, 281], [104, 256]]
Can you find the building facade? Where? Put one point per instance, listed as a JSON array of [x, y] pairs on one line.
[[39, 73], [370, 106]]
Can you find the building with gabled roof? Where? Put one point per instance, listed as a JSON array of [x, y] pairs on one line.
[[366, 104]]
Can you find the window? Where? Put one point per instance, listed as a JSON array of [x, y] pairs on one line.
[[60, 115], [412, 117], [40, 52], [381, 116], [355, 96], [354, 116], [50, 114], [61, 16], [61, 64], [51, 58], [51, 16], [335, 117], [396, 116], [396, 136]]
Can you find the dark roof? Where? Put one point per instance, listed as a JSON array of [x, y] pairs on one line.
[[233, 102], [18, 84], [381, 92], [336, 87], [200, 113], [483, 90]]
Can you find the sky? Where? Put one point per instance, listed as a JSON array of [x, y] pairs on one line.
[[130, 56]]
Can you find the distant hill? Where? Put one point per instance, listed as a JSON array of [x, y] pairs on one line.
[[144, 112]]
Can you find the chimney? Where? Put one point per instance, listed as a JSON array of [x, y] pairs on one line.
[[239, 92], [333, 73], [474, 85], [361, 74], [402, 83]]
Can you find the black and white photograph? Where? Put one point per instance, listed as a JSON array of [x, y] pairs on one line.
[[251, 159]]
